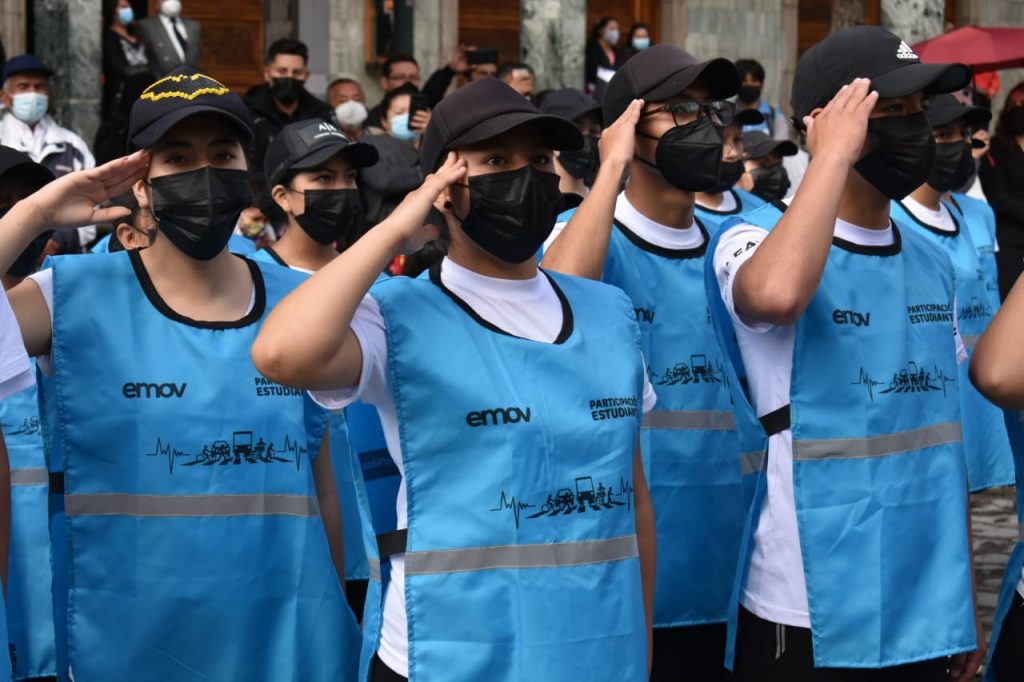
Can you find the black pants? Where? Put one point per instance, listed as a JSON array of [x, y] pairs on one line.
[[355, 594], [1009, 263], [767, 652], [1008, 657], [379, 672], [690, 653]]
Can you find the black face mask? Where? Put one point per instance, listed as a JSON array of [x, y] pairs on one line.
[[771, 183], [330, 214], [286, 90], [902, 153], [730, 174], [953, 166], [198, 210], [582, 163], [749, 94], [511, 213], [28, 262], [1015, 121], [689, 156]]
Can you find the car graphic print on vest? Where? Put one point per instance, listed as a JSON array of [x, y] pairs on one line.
[[565, 501], [242, 448], [909, 379]]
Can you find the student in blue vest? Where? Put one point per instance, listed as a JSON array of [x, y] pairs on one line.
[[726, 199], [527, 542], [29, 603], [576, 168], [654, 249], [188, 514], [858, 563], [311, 167], [986, 442], [996, 371]]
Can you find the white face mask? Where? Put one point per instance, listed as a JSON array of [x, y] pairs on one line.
[[351, 114], [171, 8], [29, 107], [611, 36]]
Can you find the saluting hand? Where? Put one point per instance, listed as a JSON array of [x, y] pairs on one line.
[[618, 141], [841, 127], [411, 214]]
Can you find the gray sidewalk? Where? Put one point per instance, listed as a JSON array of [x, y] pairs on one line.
[[995, 533]]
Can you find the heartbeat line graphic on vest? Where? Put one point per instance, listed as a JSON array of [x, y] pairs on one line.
[[975, 310], [564, 501], [910, 379], [698, 371], [241, 450], [29, 427]]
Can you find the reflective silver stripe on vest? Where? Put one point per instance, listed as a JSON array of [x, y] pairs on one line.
[[971, 340], [751, 462], [126, 504], [34, 476], [374, 565], [521, 556], [689, 420], [878, 446]]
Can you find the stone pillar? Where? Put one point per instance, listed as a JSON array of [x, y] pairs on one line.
[[436, 26], [1003, 13], [914, 20], [553, 40], [12, 26], [347, 47], [673, 22], [314, 30], [67, 39]]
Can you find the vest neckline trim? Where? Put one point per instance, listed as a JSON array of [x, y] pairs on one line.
[[275, 255], [714, 211], [254, 315], [676, 254], [932, 228], [568, 323], [869, 250]]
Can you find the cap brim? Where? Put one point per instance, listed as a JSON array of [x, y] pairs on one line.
[[976, 117], [152, 133], [562, 134], [748, 117], [780, 147], [360, 154], [917, 77], [719, 75]]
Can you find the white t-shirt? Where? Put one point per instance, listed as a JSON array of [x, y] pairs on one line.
[[15, 368], [664, 236], [728, 203], [528, 308], [776, 589], [940, 220]]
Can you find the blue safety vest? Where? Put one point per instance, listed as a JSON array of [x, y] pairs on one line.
[[878, 467], [691, 457], [187, 538], [986, 443], [767, 126], [713, 219], [521, 558], [29, 597], [238, 244], [981, 224]]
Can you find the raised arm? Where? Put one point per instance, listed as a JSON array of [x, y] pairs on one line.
[[997, 366], [582, 247], [307, 339], [778, 282]]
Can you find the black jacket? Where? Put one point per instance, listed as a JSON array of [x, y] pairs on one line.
[[1001, 172]]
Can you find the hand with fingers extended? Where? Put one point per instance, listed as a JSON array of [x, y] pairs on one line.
[[840, 129], [618, 140], [410, 216], [72, 200]]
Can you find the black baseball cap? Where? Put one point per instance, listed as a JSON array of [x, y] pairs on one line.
[[307, 144], [184, 92], [484, 109], [26, 63], [867, 52], [758, 144], [664, 71], [748, 117], [570, 103], [945, 109], [35, 175]]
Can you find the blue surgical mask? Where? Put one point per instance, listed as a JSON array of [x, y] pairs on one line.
[[400, 128], [29, 107], [641, 43], [125, 15]]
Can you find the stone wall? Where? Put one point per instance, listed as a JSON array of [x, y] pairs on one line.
[[1003, 13], [914, 20], [553, 39]]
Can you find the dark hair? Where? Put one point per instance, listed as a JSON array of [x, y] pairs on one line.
[[1003, 135], [595, 32], [636, 27], [507, 68], [288, 46], [389, 97], [110, 15], [342, 81], [750, 67], [397, 58]]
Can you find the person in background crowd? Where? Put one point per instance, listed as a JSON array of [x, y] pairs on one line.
[[601, 58], [439, 82], [280, 100], [170, 39], [346, 97], [384, 184], [726, 199], [576, 169], [27, 127], [519, 77], [638, 40], [764, 175], [1002, 179], [796, 165], [126, 73], [929, 211], [399, 69], [750, 98]]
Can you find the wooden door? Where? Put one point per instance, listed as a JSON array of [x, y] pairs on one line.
[[627, 13], [232, 39], [491, 25], [819, 18]]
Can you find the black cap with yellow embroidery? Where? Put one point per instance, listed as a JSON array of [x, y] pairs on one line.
[[182, 93]]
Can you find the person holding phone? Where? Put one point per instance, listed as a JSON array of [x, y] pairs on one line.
[[383, 185]]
